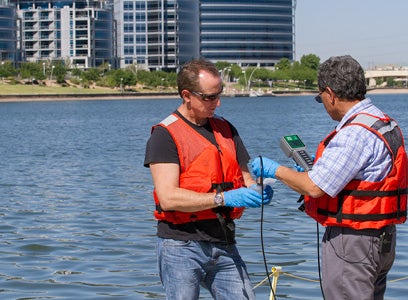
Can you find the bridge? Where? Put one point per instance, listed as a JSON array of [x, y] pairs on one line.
[[400, 74]]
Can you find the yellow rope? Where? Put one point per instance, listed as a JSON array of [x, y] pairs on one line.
[[299, 277], [307, 279], [398, 279]]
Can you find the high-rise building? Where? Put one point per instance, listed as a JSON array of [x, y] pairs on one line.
[[131, 17], [247, 32], [155, 34], [8, 32], [79, 32], [163, 34]]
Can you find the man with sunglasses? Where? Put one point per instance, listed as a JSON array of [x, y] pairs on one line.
[[357, 187], [199, 169]]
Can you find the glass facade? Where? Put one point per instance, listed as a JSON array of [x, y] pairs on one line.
[[163, 34], [253, 32], [79, 31], [154, 34], [8, 33], [131, 32]]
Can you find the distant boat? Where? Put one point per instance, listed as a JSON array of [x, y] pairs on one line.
[[255, 93], [260, 93]]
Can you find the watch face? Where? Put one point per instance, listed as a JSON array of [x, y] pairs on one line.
[[218, 199]]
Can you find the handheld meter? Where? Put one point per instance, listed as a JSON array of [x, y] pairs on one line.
[[293, 147]]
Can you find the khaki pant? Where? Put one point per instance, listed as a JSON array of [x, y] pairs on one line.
[[353, 265]]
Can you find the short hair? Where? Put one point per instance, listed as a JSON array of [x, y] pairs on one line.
[[344, 75], [187, 78]]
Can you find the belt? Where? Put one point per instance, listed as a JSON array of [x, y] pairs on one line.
[[369, 231]]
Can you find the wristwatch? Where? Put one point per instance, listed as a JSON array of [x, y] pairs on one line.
[[218, 199]]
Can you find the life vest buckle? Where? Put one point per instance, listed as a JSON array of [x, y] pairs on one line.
[[223, 186], [302, 201]]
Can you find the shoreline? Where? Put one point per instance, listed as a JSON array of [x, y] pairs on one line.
[[136, 96], [84, 97]]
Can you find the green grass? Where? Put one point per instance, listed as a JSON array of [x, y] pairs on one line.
[[28, 89]]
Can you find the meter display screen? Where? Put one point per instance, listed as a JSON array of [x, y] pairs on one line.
[[294, 141]]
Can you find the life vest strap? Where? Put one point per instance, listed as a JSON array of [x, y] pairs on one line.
[[158, 208], [363, 217], [225, 227], [223, 186], [360, 193]]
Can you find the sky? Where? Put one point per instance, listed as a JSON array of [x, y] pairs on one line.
[[374, 32]]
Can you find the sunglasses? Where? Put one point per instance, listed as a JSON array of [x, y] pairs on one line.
[[208, 97], [318, 98]]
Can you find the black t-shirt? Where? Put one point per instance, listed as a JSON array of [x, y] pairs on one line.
[[161, 148]]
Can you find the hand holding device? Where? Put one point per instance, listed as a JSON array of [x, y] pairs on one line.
[[243, 197], [293, 147], [299, 168], [269, 167]]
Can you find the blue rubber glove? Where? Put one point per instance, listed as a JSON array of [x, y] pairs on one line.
[[269, 167], [242, 197], [299, 168], [267, 192]]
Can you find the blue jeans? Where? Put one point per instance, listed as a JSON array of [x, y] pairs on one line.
[[185, 265]]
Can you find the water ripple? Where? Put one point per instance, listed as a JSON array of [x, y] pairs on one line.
[[77, 210]]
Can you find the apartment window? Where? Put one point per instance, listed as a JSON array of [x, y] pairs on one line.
[[128, 27], [128, 61], [140, 5], [128, 50], [128, 5], [128, 39], [140, 17], [128, 17], [140, 27]]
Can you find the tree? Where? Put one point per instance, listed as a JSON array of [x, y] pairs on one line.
[[76, 72], [262, 74], [221, 65], [59, 72], [283, 64], [30, 70], [91, 75], [121, 77], [236, 71], [310, 61], [7, 69]]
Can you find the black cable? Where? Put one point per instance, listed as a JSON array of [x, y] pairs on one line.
[[318, 258], [262, 239]]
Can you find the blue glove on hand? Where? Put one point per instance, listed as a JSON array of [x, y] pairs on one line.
[[242, 197], [267, 192], [299, 168], [269, 167]]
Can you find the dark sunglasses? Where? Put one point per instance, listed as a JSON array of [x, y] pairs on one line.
[[208, 97], [318, 98]]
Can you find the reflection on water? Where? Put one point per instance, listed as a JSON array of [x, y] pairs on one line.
[[76, 209]]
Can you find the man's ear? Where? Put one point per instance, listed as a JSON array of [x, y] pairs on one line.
[[185, 94], [332, 95]]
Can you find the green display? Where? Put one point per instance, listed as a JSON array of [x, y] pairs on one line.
[[294, 141]]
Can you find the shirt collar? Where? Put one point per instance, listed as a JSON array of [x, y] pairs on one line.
[[359, 107]]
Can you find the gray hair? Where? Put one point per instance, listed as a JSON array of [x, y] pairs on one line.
[[344, 75]]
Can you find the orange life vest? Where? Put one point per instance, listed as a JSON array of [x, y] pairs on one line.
[[204, 168], [364, 204]]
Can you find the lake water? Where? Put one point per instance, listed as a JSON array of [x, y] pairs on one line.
[[76, 207]]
